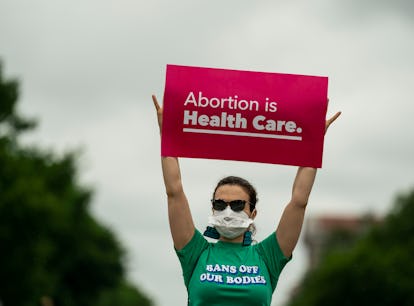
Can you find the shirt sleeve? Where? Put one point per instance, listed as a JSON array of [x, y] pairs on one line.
[[190, 254], [273, 257]]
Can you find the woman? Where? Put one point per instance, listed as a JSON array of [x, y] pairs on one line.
[[232, 271]]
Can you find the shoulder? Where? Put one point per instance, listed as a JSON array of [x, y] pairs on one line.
[[196, 242], [270, 248]]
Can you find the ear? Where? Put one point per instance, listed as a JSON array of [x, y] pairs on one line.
[[253, 214]]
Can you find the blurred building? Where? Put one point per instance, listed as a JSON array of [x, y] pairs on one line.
[[324, 231]]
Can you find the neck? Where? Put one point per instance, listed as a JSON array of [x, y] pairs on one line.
[[238, 239]]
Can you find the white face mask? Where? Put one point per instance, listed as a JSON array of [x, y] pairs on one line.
[[230, 224]]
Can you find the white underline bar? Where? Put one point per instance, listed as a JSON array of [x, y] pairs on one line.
[[245, 134]]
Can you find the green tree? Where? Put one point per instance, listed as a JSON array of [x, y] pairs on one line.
[[51, 246], [125, 295], [377, 270]]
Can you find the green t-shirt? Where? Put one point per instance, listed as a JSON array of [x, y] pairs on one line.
[[226, 273]]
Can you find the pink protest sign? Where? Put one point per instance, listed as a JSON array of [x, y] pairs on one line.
[[244, 115]]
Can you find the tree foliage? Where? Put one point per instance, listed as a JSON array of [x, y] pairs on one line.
[[51, 246], [377, 270]]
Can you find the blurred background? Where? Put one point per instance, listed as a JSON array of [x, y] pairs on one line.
[[83, 217]]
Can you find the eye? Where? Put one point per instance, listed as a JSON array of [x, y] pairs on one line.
[[219, 204], [237, 205]]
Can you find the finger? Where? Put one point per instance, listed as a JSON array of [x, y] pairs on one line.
[[334, 117], [155, 101]]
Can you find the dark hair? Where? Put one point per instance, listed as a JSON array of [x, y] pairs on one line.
[[238, 181]]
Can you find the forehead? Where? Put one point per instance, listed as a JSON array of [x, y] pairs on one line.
[[231, 192]]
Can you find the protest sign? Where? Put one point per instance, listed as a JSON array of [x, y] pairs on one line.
[[244, 115]]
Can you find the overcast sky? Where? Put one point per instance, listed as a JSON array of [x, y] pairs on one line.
[[87, 70]]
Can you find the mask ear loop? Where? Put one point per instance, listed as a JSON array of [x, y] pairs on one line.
[[211, 232]]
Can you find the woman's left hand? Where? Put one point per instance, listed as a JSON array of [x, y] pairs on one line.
[[331, 120]]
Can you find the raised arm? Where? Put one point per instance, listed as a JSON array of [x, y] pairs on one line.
[[291, 222], [179, 215]]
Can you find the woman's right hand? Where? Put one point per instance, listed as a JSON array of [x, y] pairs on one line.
[[158, 108]]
